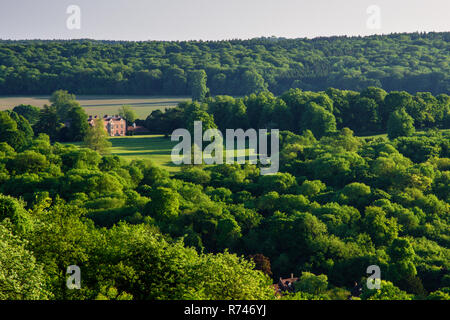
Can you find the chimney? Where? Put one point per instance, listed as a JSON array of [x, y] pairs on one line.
[[292, 276]]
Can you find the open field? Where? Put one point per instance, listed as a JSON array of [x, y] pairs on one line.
[[384, 135], [101, 105], [156, 148], [153, 147]]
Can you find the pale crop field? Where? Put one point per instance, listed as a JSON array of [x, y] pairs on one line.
[[102, 105]]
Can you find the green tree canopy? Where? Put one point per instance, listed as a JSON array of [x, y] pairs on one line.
[[96, 137]]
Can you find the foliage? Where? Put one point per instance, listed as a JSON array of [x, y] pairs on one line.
[[139, 233], [310, 283], [387, 292], [199, 89], [128, 114], [21, 277], [400, 124], [412, 62], [96, 137]]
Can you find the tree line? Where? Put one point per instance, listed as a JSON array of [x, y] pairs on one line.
[[371, 111], [407, 61]]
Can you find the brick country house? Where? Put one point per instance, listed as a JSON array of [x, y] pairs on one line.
[[114, 125]]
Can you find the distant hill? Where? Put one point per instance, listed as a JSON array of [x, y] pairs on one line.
[[413, 62]]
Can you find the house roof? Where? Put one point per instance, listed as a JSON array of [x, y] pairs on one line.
[[113, 118], [137, 129], [107, 118], [277, 288]]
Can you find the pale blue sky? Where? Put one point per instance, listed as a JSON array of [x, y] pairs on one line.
[[216, 19]]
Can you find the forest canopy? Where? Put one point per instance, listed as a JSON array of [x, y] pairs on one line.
[[339, 204], [363, 179], [407, 61]]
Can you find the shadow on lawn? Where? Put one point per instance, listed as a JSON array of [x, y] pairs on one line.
[[148, 153], [134, 104]]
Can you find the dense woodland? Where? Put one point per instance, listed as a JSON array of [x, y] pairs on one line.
[[347, 196], [412, 62], [339, 203], [370, 111]]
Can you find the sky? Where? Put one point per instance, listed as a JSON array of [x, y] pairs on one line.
[[140, 20]]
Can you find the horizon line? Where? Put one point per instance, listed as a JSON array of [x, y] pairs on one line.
[[230, 39]]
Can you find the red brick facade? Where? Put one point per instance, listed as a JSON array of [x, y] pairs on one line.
[[114, 125]]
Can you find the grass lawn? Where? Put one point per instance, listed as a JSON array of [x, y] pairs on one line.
[[102, 104], [384, 135], [146, 147], [156, 148], [381, 135], [152, 147]]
